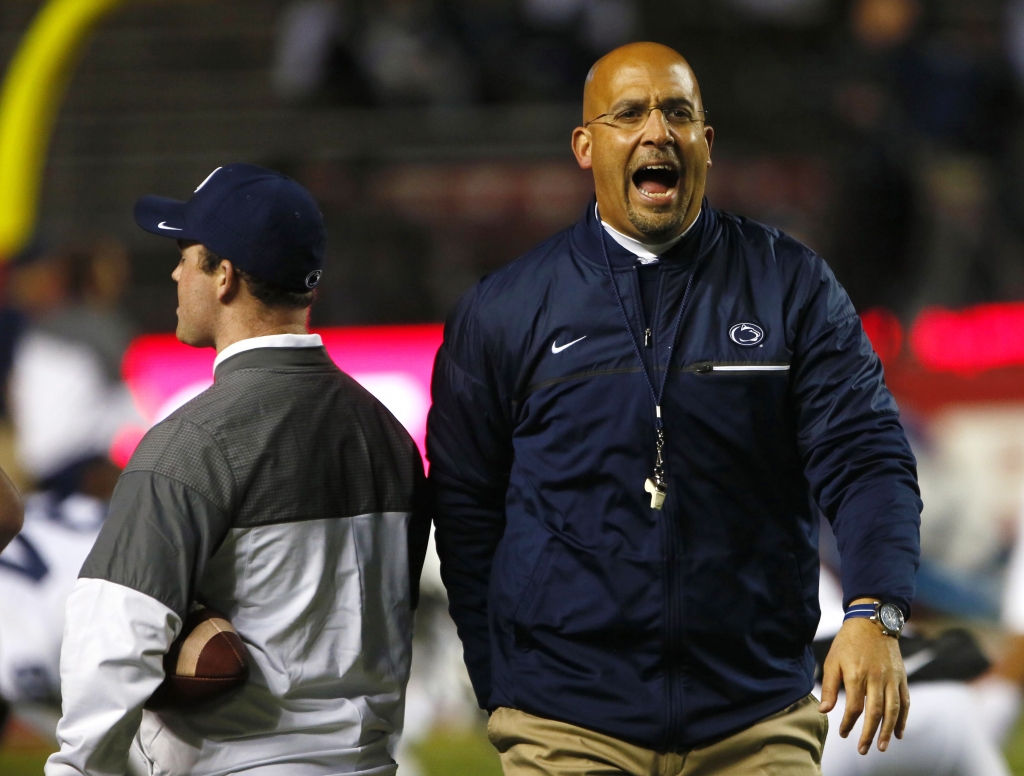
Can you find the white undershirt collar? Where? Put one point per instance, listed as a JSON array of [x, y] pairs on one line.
[[267, 341], [645, 253]]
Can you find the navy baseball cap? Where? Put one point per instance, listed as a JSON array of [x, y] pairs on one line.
[[261, 221]]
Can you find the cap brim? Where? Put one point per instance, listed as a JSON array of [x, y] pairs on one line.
[[164, 217]]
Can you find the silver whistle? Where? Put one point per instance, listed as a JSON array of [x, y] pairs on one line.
[[657, 492]]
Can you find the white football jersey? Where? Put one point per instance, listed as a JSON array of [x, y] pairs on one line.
[[37, 572]]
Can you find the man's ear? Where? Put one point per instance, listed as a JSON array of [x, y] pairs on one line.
[[228, 281], [581, 147], [709, 136]]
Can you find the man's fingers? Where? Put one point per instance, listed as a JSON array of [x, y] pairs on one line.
[[891, 713], [829, 688], [873, 711], [854, 702], [901, 721]]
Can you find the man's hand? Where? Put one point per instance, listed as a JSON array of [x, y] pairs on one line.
[[868, 663]]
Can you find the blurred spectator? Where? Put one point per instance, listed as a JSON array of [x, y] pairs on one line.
[[794, 12], [955, 79], [600, 25], [563, 38], [489, 30], [608, 24], [957, 94], [876, 203], [410, 57], [1015, 37], [307, 37], [376, 263], [926, 112], [67, 399], [391, 52], [12, 320], [97, 277], [444, 52]]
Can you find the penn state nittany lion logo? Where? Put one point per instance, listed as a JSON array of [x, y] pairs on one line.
[[746, 334]]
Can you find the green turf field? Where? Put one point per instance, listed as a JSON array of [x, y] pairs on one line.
[[21, 763], [1015, 749], [445, 753]]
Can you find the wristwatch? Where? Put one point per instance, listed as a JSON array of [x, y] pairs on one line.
[[888, 616]]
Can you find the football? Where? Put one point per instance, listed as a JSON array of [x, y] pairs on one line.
[[206, 663]]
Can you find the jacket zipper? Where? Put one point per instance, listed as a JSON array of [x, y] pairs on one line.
[[670, 523]]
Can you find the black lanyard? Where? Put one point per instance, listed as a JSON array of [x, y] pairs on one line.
[[654, 485]]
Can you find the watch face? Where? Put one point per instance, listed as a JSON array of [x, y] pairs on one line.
[[891, 617]]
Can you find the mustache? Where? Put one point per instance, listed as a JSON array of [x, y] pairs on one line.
[[670, 158]]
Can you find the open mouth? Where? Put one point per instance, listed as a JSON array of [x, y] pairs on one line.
[[656, 181]]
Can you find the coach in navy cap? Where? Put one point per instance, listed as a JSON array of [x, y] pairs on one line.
[[281, 498]]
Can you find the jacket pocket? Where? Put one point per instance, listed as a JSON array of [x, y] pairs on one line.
[[734, 369], [795, 600], [531, 594]]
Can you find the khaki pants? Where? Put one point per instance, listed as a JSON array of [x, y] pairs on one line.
[[788, 744]]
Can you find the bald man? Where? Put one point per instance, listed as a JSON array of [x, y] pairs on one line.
[[634, 426]]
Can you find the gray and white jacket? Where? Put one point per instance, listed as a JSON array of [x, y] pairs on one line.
[[287, 498]]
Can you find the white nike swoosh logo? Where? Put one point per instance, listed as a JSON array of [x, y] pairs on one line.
[[207, 179], [556, 349], [163, 225]]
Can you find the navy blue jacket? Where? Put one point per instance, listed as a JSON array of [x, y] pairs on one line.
[[577, 601]]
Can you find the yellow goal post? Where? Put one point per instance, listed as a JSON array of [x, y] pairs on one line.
[[30, 98]]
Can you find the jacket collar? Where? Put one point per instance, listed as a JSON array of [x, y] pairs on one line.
[[588, 234], [275, 358]]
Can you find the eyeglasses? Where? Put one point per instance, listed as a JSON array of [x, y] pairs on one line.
[[634, 118]]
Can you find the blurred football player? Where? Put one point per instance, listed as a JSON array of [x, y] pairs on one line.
[[962, 710], [38, 569]]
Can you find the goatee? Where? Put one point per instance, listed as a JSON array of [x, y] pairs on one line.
[[658, 227]]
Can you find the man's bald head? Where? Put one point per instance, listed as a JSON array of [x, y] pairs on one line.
[[645, 139], [626, 63]]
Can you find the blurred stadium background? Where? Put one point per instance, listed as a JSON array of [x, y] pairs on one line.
[[887, 134]]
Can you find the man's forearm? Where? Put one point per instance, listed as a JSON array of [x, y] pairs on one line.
[[111, 663], [877, 531], [467, 584]]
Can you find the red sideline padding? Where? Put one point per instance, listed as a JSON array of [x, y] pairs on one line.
[[974, 355], [885, 332], [393, 362], [966, 342]]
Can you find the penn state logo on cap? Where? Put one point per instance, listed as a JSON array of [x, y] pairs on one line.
[[313, 278], [746, 334]]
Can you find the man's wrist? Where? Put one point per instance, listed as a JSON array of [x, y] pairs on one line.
[[887, 616]]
